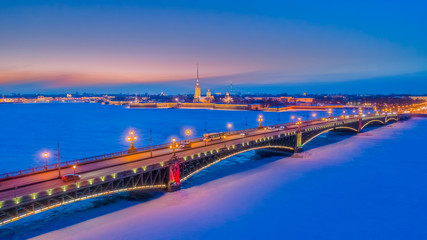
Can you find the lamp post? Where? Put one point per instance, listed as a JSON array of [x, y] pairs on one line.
[[260, 119], [173, 145], [329, 113], [151, 144], [187, 135], [74, 169], [45, 156], [59, 160], [131, 138], [299, 124], [229, 125]]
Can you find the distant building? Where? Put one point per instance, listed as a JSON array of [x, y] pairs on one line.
[[227, 98]]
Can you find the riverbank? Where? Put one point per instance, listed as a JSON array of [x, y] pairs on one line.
[[248, 107]]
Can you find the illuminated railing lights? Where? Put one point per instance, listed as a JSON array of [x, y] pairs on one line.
[[33, 195], [29, 213], [17, 200]]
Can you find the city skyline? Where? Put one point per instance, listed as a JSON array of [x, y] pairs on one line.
[[284, 47]]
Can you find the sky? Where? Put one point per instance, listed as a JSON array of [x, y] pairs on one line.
[[257, 46]]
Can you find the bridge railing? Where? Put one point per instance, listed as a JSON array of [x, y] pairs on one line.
[[70, 163]]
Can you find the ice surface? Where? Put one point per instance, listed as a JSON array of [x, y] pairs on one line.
[[371, 186], [85, 130]]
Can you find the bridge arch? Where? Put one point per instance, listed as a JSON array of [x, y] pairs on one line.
[[66, 202], [375, 120], [391, 119], [231, 155], [353, 129], [327, 130]]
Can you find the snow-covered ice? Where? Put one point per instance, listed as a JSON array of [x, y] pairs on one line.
[[370, 186]]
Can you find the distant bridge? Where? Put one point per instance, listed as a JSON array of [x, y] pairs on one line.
[[28, 192]]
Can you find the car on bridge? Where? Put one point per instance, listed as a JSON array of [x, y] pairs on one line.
[[70, 177], [187, 145]]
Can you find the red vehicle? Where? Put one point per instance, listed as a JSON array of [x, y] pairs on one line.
[[70, 177]]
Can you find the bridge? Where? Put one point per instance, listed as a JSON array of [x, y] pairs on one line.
[[27, 192]]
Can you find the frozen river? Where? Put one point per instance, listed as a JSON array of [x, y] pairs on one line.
[[369, 186], [84, 130]]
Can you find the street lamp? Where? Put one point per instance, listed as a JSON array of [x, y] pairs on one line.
[[229, 125], [45, 156], [173, 145], [299, 124], [74, 169], [292, 117], [329, 112], [260, 119], [187, 134], [314, 115], [131, 138]]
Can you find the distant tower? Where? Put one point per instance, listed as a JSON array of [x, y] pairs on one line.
[[209, 97], [197, 89]]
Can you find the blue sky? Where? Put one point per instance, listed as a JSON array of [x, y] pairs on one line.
[[268, 46]]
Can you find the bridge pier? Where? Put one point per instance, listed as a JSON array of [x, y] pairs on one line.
[[298, 144], [174, 182], [360, 129]]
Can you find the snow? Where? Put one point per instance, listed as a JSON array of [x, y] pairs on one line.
[[369, 186]]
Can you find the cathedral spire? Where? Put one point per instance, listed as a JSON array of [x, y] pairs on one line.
[[197, 74], [197, 89]]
